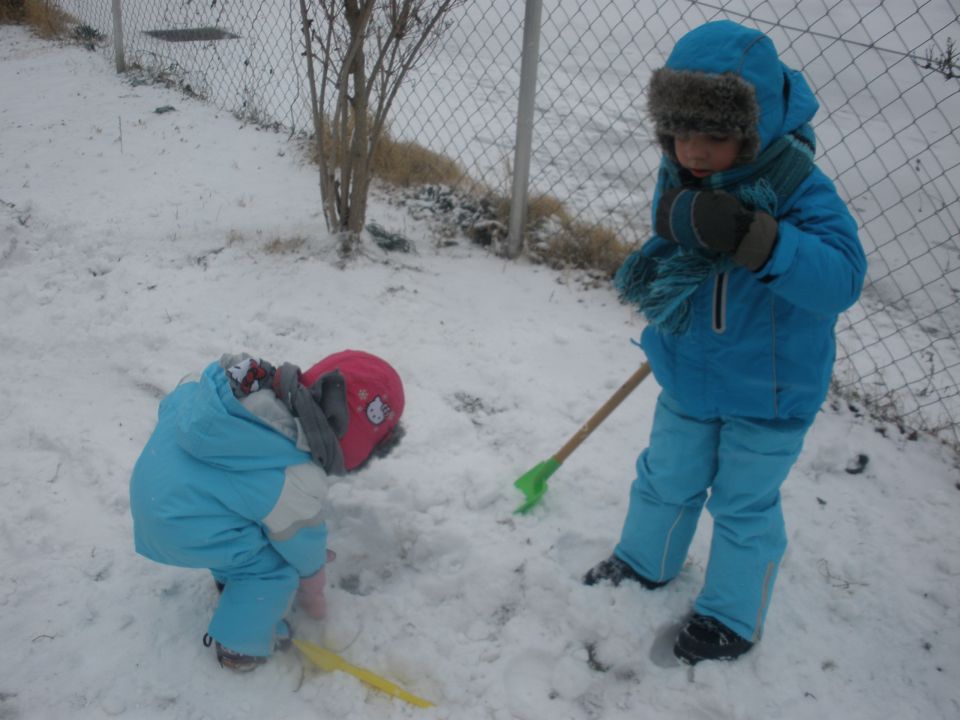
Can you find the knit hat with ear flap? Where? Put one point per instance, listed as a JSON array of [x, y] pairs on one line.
[[682, 102], [374, 400]]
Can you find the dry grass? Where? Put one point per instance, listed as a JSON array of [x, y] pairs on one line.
[[586, 246], [541, 207], [11, 11], [560, 240], [47, 20], [406, 164], [285, 246], [275, 246]]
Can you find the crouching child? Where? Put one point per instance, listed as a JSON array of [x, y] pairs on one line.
[[234, 477]]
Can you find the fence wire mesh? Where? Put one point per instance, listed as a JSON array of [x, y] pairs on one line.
[[886, 74]]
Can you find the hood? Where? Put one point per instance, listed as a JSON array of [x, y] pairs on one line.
[[784, 100], [214, 428]]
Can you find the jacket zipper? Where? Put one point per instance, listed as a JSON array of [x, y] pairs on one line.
[[773, 359], [720, 303]]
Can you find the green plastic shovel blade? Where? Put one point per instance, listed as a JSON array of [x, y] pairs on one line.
[[533, 483]]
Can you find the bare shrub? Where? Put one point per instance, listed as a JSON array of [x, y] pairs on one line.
[[363, 50]]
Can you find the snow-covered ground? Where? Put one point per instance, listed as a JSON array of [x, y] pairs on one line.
[[136, 246]]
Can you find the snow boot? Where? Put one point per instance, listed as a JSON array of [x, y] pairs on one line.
[[615, 570], [238, 662], [284, 637], [706, 638], [230, 660]]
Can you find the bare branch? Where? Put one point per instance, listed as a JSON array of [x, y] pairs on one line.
[[362, 87], [317, 104], [410, 58]]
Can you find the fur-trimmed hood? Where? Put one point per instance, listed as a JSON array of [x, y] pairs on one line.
[[724, 77]]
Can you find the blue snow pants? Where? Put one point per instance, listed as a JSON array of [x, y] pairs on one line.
[[257, 594], [741, 463]]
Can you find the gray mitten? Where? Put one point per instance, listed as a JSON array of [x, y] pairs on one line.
[[715, 220]]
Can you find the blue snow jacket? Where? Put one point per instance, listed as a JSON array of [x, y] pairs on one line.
[[218, 483], [762, 344]]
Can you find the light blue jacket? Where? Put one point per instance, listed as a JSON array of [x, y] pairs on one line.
[[221, 481], [762, 344]]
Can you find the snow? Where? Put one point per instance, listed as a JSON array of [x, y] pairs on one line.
[[137, 246]]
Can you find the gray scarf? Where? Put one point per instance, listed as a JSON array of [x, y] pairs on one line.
[[320, 409]]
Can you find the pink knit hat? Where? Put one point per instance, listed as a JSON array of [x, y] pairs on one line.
[[374, 400]]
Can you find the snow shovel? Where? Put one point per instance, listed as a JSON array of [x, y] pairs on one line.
[[328, 661], [533, 483]]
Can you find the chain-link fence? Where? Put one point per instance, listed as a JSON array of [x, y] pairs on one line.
[[886, 75]]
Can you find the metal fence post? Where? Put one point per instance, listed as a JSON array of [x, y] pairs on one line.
[[525, 108], [118, 37]]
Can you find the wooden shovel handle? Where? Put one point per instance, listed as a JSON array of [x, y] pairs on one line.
[[600, 415]]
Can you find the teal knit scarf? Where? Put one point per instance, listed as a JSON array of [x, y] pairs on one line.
[[662, 286]]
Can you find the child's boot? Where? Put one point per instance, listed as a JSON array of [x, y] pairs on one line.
[[283, 636], [706, 638], [615, 571], [238, 662]]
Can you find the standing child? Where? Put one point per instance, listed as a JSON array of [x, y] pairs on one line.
[[234, 476], [754, 256]]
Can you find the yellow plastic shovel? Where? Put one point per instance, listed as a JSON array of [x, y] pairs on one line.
[[328, 662]]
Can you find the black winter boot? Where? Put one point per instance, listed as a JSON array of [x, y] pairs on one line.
[[706, 638], [615, 571]]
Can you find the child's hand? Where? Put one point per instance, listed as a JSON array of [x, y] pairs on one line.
[[716, 220]]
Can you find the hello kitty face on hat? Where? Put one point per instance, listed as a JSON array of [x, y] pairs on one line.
[[374, 396], [377, 410]]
